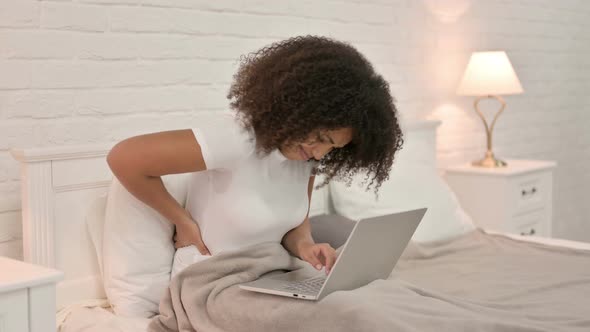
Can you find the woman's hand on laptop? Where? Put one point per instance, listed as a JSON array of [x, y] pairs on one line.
[[318, 255]]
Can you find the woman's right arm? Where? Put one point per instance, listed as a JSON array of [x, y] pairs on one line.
[[139, 162]]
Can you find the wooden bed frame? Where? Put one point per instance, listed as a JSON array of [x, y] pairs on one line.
[[60, 184]]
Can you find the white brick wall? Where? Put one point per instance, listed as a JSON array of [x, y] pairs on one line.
[[103, 70]]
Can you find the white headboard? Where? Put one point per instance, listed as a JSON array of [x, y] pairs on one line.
[[60, 184]]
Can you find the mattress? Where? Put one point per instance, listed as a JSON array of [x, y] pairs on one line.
[[545, 240], [95, 315]]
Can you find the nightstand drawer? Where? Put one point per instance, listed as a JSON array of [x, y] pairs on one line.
[[529, 192], [532, 223], [14, 315], [515, 199]]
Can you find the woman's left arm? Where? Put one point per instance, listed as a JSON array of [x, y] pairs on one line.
[[301, 244]]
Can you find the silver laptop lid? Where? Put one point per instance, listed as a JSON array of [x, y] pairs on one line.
[[372, 250]]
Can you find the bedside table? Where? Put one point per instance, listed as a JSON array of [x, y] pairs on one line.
[[27, 296], [514, 199]]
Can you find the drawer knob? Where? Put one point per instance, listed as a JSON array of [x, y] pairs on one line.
[[531, 232], [530, 192]]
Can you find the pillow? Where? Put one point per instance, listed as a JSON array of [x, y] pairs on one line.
[[138, 249], [319, 198], [331, 228], [412, 184], [95, 226]]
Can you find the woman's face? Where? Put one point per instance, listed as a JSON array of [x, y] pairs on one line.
[[317, 144]]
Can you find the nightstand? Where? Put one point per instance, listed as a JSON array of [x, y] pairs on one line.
[[27, 296], [513, 199]]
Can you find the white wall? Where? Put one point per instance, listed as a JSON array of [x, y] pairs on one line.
[[102, 70]]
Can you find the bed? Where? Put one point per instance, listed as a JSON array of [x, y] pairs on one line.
[[66, 186]]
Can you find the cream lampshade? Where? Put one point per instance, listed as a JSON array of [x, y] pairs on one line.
[[489, 75]]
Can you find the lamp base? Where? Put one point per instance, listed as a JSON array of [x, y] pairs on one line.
[[489, 161]]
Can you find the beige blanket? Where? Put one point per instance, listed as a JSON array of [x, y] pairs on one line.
[[477, 282]]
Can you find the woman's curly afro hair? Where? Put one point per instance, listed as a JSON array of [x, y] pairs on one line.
[[292, 88]]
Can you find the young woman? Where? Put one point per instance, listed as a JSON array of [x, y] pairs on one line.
[[302, 106]]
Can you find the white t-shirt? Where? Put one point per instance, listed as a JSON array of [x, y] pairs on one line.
[[241, 199]]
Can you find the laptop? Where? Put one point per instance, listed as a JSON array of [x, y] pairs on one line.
[[370, 252]]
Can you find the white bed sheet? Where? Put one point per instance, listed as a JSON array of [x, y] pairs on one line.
[[96, 316]]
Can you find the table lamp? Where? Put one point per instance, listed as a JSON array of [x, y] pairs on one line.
[[489, 75]]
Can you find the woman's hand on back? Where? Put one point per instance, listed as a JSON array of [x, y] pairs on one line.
[[188, 233], [318, 255]]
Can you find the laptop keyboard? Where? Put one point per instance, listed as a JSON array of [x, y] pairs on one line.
[[312, 285]]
